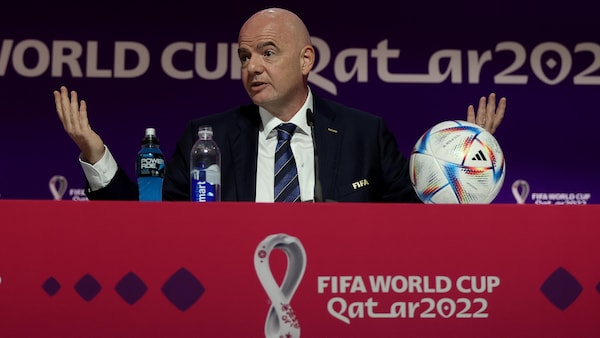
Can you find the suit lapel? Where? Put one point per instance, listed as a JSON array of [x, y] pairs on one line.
[[244, 143], [327, 137]]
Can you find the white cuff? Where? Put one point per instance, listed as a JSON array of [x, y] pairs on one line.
[[102, 172]]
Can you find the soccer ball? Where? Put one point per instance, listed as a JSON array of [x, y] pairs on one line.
[[457, 162]]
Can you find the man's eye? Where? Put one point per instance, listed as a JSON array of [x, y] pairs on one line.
[[268, 53]]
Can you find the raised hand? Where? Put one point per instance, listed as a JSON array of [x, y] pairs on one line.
[[73, 115], [488, 115]]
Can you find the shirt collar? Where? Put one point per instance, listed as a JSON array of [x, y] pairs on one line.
[[271, 122]]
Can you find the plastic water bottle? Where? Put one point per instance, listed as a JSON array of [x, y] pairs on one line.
[[205, 168], [150, 168]]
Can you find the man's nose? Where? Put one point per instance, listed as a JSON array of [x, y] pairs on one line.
[[255, 65]]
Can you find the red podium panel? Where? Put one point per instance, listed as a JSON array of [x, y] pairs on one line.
[[131, 269]]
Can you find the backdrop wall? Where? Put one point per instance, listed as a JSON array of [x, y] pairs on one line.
[[139, 66]]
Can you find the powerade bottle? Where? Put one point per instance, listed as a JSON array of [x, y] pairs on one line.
[[205, 168], [150, 168]]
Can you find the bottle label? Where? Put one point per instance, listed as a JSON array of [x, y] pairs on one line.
[[206, 184], [150, 165]]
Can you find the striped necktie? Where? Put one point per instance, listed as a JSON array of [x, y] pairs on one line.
[[287, 188]]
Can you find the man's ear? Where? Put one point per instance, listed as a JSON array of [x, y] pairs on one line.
[[308, 59]]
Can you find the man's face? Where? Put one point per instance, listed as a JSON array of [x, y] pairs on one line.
[[271, 65]]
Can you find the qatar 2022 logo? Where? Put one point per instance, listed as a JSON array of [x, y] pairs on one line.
[[281, 320]]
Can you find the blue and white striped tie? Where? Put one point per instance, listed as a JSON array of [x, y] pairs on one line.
[[287, 188]]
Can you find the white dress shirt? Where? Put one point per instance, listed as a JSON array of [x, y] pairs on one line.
[[101, 173], [302, 147]]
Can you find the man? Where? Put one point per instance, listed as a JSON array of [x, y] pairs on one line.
[[357, 156]]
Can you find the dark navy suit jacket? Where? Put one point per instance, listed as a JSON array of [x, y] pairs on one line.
[[358, 158]]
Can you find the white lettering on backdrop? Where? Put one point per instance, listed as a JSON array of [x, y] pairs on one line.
[[129, 59]]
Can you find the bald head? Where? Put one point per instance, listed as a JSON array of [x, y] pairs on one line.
[[276, 56], [280, 20]]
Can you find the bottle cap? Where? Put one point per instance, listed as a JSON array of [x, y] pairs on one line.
[[150, 132], [150, 137], [205, 132]]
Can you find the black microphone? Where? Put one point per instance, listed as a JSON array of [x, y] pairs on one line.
[[310, 118]]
